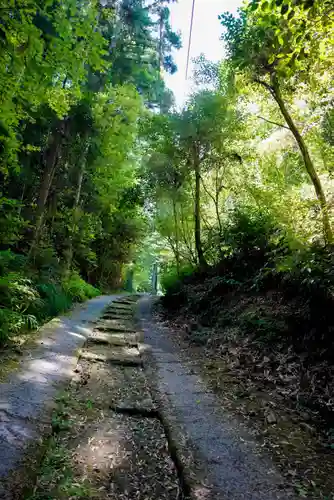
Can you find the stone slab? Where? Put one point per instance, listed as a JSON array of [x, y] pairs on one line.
[[122, 355]]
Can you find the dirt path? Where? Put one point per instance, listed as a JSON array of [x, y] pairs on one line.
[[223, 456]]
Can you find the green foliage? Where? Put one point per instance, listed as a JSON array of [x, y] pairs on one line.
[[77, 289], [249, 230], [55, 300], [24, 304], [17, 292], [37, 58], [171, 277], [10, 261], [280, 37], [76, 79], [263, 286], [278, 47], [13, 323]]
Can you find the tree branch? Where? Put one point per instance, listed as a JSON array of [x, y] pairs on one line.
[[206, 189], [264, 84], [273, 123]]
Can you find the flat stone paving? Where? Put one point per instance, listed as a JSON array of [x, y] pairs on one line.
[[224, 453], [115, 444]]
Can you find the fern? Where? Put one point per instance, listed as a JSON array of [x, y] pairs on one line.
[[14, 323]]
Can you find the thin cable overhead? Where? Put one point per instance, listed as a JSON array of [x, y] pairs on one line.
[[190, 35]]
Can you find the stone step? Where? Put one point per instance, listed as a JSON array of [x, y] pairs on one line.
[[120, 355], [129, 335], [114, 338], [113, 386]]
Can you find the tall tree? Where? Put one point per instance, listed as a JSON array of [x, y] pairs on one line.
[[277, 45]]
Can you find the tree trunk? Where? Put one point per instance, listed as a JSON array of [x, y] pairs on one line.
[[48, 174], [161, 31], [276, 93], [215, 199], [129, 280], [184, 235], [218, 215], [177, 250], [197, 211], [154, 280], [74, 216]]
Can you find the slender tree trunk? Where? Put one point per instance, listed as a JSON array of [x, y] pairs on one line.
[[184, 235], [129, 280], [21, 199], [197, 211], [219, 187], [154, 280], [218, 215], [161, 34], [74, 216], [215, 199], [177, 249], [48, 174], [80, 179], [276, 93]]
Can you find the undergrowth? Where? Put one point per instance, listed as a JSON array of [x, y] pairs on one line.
[[269, 295], [270, 287], [28, 299]]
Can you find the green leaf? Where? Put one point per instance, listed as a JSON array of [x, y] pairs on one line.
[[254, 5], [284, 9]]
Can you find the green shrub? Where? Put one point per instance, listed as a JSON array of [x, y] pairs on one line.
[[144, 286], [55, 300], [171, 279], [17, 297], [13, 322], [10, 261], [78, 289], [248, 231], [24, 305]]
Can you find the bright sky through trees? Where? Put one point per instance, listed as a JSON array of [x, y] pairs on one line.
[[205, 39]]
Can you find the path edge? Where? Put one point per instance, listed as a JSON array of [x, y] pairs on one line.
[[190, 468]]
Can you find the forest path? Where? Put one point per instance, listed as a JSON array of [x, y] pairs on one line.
[[105, 439], [27, 394], [218, 458], [135, 422]]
